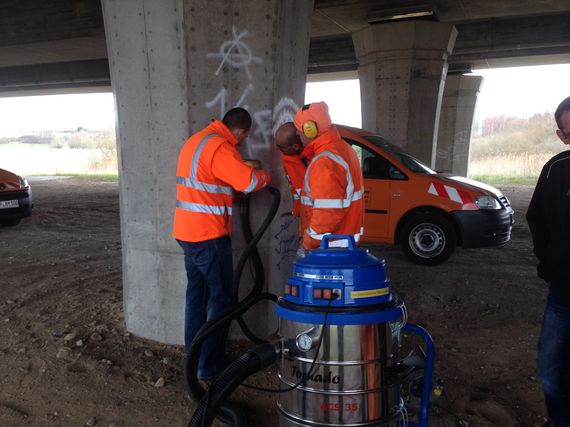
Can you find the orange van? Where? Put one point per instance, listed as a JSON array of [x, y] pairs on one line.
[[427, 213]]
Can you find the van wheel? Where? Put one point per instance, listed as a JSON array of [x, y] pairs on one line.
[[428, 238]]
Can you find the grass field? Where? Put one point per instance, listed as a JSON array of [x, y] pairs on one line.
[[110, 177], [512, 153], [513, 150], [505, 180], [515, 166], [34, 159]]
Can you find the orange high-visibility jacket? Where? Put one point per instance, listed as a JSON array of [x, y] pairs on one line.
[[209, 170], [332, 194], [295, 170]]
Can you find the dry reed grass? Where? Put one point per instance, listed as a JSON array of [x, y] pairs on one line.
[[518, 164]]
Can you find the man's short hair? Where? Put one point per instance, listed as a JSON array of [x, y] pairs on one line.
[[564, 106], [237, 118]]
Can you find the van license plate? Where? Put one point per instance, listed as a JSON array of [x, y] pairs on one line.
[[7, 204]]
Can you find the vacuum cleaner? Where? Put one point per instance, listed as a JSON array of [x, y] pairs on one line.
[[338, 348], [340, 328]]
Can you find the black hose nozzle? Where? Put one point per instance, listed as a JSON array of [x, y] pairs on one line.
[[223, 386]]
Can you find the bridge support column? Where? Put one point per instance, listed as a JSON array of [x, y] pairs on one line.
[[456, 121], [176, 64], [402, 74]]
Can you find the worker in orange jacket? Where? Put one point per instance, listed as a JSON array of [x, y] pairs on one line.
[[333, 188], [209, 170], [295, 166]]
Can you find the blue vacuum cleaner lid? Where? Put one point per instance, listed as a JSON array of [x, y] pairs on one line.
[[355, 275]]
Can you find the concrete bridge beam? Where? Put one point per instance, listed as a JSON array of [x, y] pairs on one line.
[[402, 75], [456, 122], [176, 64]]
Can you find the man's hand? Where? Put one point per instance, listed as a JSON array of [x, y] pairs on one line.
[[256, 164]]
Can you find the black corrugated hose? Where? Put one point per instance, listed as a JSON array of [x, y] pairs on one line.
[[251, 251], [222, 387], [228, 412]]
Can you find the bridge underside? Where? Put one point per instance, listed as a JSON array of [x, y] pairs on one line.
[[58, 46], [170, 74]]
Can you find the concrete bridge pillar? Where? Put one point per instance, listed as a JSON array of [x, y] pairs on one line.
[[402, 75], [176, 64], [456, 121]]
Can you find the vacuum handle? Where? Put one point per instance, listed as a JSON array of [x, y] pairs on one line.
[[327, 237]]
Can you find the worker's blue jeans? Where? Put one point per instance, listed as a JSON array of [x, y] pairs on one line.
[[209, 271], [554, 359]]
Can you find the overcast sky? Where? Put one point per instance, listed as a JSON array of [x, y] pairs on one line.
[[56, 112], [520, 92]]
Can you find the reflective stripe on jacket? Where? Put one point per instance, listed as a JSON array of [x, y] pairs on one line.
[[295, 170], [332, 193], [209, 170]]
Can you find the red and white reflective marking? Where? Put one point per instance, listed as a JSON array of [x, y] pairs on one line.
[[451, 193]]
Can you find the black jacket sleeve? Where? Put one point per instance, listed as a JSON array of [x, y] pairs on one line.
[[536, 216]]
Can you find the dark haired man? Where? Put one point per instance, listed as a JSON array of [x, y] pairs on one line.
[[209, 170], [295, 166], [548, 217]]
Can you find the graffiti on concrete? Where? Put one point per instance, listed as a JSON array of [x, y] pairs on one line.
[[454, 157], [286, 240], [236, 53], [262, 127], [283, 112], [267, 122], [221, 96]]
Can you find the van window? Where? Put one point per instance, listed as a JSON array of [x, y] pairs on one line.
[[373, 165], [406, 159]]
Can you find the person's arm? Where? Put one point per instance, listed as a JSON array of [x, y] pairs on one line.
[[228, 166], [327, 181], [536, 216], [295, 173]]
